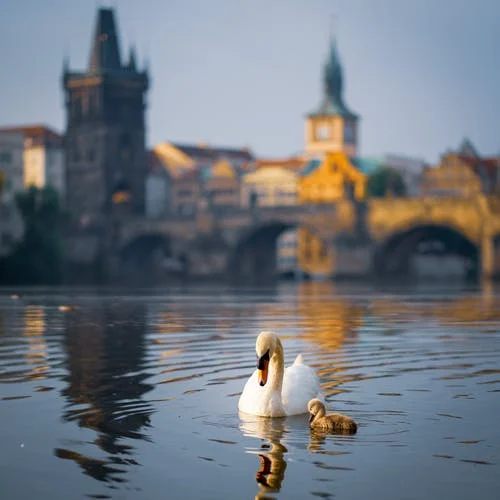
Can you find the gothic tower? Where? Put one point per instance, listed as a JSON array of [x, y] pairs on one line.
[[332, 126], [105, 129]]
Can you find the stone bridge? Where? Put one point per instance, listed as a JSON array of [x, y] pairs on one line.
[[469, 227], [377, 237]]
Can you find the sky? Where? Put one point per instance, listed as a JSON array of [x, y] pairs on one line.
[[422, 74]]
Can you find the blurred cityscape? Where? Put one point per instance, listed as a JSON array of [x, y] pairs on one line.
[[93, 204]]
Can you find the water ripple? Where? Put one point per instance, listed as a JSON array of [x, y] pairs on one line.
[[119, 373]]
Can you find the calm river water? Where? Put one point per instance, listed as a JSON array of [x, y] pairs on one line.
[[134, 395]]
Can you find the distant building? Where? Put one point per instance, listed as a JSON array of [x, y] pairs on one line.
[[221, 186], [411, 170], [462, 173], [332, 179], [194, 176], [11, 164], [11, 182], [186, 193], [11, 227], [106, 158], [204, 155], [294, 163], [158, 187], [43, 157], [269, 186]]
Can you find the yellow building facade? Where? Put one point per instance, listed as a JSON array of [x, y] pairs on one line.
[[331, 180]]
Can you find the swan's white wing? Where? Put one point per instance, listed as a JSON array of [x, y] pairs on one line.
[[300, 385], [250, 396]]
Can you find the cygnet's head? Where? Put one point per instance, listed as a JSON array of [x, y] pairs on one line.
[[315, 407], [265, 348]]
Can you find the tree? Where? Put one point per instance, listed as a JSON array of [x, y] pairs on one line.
[[386, 181], [38, 257]]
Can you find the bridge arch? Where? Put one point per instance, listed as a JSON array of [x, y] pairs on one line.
[[150, 257], [254, 256], [404, 252]]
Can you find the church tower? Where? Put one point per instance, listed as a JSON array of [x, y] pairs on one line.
[[332, 126], [105, 129]]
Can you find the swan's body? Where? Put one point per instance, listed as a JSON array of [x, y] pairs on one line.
[[333, 422], [272, 391]]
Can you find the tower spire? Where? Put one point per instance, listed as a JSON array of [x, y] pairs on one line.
[[132, 59], [105, 53], [65, 64], [333, 19]]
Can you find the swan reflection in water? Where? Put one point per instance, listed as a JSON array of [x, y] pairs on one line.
[[280, 433], [272, 463]]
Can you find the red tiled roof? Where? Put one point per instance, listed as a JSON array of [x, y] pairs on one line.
[[481, 166], [289, 163], [188, 175], [33, 131], [210, 153]]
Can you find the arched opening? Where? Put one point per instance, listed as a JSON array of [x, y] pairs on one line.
[[427, 252], [278, 251], [149, 259]]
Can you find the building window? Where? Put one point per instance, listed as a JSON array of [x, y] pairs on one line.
[[76, 153], [349, 133], [322, 253], [121, 193], [323, 132], [125, 146], [5, 157], [77, 107]]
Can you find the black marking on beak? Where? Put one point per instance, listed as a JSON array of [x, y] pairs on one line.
[[311, 418], [261, 362]]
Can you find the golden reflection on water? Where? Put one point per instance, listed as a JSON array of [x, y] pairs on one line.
[[110, 352], [467, 311], [327, 320], [36, 355]]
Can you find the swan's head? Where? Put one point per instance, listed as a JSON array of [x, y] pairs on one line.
[[315, 407], [265, 347]]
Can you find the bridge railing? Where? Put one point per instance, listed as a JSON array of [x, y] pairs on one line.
[[231, 212]]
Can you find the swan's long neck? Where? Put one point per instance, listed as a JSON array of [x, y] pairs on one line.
[[277, 368]]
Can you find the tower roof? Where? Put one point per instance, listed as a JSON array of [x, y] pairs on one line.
[[333, 102], [105, 53], [468, 149], [105, 60]]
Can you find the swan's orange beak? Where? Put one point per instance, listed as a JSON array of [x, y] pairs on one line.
[[263, 368]]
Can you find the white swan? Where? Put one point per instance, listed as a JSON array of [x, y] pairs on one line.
[[272, 391]]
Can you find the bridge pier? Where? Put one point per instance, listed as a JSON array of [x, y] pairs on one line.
[[487, 258], [352, 262]]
